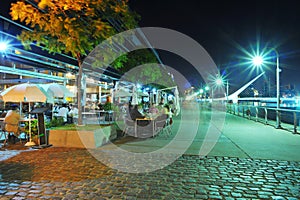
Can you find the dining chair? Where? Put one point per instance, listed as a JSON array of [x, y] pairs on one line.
[[168, 126], [3, 132], [10, 130], [129, 128], [161, 124]]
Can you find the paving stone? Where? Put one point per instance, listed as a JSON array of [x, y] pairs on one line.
[[10, 193], [190, 177], [236, 195]]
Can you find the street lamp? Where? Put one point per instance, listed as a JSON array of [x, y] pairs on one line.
[[219, 82], [227, 91], [258, 61], [3, 46]]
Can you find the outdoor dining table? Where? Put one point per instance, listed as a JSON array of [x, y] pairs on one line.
[[107, 114], [21, 120], [145, 128]]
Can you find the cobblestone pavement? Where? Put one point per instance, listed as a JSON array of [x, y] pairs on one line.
[[70, 173]]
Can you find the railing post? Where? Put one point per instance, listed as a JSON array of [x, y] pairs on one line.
[[234, 109], [266, 116], [249, 113], [278, 118], [256, 114], [243, 111], [295, 122]]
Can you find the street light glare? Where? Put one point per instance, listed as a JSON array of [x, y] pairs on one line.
[[3, 46], [257, 61], [219, 81]]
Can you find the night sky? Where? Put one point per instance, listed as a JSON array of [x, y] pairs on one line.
[[221, 26]]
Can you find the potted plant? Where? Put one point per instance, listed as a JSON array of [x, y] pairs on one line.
[[33, 130]]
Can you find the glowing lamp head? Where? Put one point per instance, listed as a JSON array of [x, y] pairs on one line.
[[219, 81], [3, 46], [257, 61]]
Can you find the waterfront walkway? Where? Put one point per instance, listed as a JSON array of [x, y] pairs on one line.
[[247, 160]]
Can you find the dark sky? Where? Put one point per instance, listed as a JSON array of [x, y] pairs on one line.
[[221, 26]]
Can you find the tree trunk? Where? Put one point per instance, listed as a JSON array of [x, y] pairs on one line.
[[79, 91]]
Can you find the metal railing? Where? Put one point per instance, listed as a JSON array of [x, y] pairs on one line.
[[288, 119]]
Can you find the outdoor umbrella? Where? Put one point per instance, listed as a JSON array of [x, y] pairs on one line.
[[142, 94], [26, 92], [121, 93], [58, 90]]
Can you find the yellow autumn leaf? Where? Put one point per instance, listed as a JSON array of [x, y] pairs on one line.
[[42, 4]]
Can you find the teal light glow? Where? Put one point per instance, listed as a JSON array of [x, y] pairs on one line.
[[3, 46], [219, 81], [258, 61]]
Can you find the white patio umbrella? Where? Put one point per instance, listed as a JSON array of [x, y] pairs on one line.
[[142, 94], [58, 90], [26, 92], [121, 93]]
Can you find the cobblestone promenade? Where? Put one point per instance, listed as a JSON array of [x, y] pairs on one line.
[[69, 173]]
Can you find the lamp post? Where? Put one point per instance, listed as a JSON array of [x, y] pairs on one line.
[[227, 91], [258, 61], [220, 81]]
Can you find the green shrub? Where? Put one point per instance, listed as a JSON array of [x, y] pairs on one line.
[[55, 122], [33, 127]]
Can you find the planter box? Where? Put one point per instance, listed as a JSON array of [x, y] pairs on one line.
[[82, 139]]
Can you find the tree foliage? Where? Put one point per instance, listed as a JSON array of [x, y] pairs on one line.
[[142, 66], [71, 26]]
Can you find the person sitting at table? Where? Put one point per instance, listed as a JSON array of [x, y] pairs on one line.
[[168, 112], [135, 114], [11, 121], [63, 112], [153, 109], [55, 109], [73, 113]]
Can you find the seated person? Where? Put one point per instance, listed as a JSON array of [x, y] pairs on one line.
[[168, 112], [153, 109], [11, 121], [73, 113], [55, 109], [134, 113], [63, 112]]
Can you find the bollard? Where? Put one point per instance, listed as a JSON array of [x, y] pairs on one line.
[[256, 114]]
